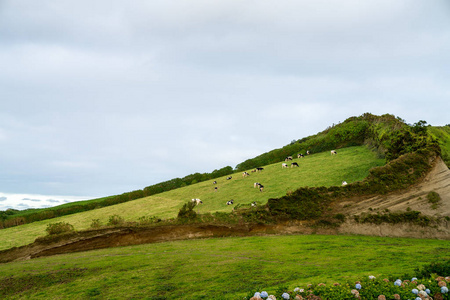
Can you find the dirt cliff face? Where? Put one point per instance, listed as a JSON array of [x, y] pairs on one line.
[[414, 198]]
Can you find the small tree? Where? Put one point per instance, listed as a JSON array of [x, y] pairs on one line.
[[187, 211]]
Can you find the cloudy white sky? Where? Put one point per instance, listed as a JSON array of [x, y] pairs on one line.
[[104, 97]]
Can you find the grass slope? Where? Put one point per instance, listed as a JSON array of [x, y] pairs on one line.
[[321, 169], [225, 268], [442, 134]]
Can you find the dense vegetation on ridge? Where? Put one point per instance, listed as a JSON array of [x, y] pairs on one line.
[[389, 136]]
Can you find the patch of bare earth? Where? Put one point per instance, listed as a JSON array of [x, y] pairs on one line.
[[414, 198]]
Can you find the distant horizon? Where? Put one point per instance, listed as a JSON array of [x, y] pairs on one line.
[[32, 201]]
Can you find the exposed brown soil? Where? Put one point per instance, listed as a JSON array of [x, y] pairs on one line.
[[414, 198]]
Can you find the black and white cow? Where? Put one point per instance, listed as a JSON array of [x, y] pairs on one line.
[[197, 201], [230, 202], [294, 164], [284, 165], [333, 152], [259, 169]]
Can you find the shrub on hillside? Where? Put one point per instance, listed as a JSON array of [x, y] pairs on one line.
[[187, 211], [58, 228], [115, 220], [147, 220], [433, 197]]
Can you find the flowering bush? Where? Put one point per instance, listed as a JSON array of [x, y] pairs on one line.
[[370, 288]]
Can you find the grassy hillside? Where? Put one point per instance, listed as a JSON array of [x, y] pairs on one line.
[[442, 134], [321, 169], [226, 268], [389, 136]]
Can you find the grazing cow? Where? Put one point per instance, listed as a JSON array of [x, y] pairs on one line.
[[245, 174], [300, 155], [230, 202], [307, 152], [344, 182], [253, 171], [333, 152], [197, 201], [261, 187], [283, 165], [259, 169], [288, 158], [229, 177], [294, 164], [214, 182], [256, 184], [215, 189]]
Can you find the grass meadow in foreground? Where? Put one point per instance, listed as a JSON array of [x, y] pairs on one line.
[[225, 268], [321, 169]]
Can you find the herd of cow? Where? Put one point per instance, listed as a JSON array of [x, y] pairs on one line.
[[259, 185]]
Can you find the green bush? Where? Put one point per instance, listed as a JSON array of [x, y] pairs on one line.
[[58, 228], [187, 211], [115, 220], [426, 271], [433, 197], [147, 220]]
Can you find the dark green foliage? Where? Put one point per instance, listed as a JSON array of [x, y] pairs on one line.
[[413, 217], [439, 268], [58, 228], [187, 211], [340, 217], [302, 204], [433, 197]]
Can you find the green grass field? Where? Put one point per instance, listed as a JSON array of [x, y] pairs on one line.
[[225, 268], [321, 169]]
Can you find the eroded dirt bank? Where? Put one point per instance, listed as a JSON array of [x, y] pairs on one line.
[[134, 235]]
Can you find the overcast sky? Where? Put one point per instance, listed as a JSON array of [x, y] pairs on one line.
[[103, 97]]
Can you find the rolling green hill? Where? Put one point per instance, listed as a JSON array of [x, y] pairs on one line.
[[320, 169]]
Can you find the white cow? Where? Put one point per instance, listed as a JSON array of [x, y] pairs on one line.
[[333, 152], [283, 165]]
